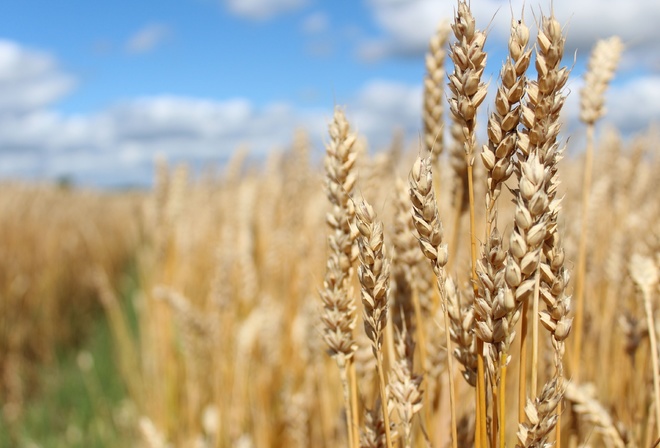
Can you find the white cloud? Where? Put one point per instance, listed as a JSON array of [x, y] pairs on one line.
[[408, 24], [117, 144], [635, 104], [635, 21], [631, 106], [29, 79], [262, 9], [148, 38], [383, 106], [315, 23]]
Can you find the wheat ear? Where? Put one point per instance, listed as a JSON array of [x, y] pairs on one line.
[[429, 228], [408, 282], [432, 112], [602, 64], [538, 139], [497, 157], [468, 92], [503, 121], [339, 311], [541, 416], [527, 236], [588, 408], [405, 386], [374, 275], [644, 273]]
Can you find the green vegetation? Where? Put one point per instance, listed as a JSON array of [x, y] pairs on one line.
[[81, 401]]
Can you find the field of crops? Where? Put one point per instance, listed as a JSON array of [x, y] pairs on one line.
[[449, 291]]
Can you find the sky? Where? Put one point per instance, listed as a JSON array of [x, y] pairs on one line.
[[95, 91]]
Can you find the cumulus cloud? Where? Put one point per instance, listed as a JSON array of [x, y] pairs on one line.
[[29, 79], [315, 23], [148, 38], [632, 105], [383, 106], [635, 104], [117, 144], [319, 43], [408, 25], [262, 9]]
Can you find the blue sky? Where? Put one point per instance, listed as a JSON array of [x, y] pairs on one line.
[[193, 48], [96, 90]]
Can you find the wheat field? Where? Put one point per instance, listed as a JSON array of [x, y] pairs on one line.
[[490, 284]]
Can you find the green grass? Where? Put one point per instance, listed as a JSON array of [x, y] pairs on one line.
[[82, 401]]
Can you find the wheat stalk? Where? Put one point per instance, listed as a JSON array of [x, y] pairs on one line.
[[374, 276], [339, 308], [601, 67], [468, 92], [525, 246], [541, 416], [600, 72], [538, 140], [494, 300], [429, 228], [503, 121], [432, 112], [405, 385], [588, 408], [644, 273]]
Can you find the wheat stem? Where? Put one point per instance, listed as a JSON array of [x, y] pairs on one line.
[[535, 334], [558, 427], [450, 367], [482, 411], [384, 400], [429, 228], [344, 375], [582, 254], [654, 356], [502, 397], [421, 343], [522, 372], [355, 423]]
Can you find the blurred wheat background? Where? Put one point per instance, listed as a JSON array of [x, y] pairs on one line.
[[492, 283]]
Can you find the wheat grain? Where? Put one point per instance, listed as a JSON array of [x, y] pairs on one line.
[[339, 308], [405, 385], [429, 228], [541, 416], [503, 121], [600, 71], [432, 112], [374, 278], [589, 409]]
